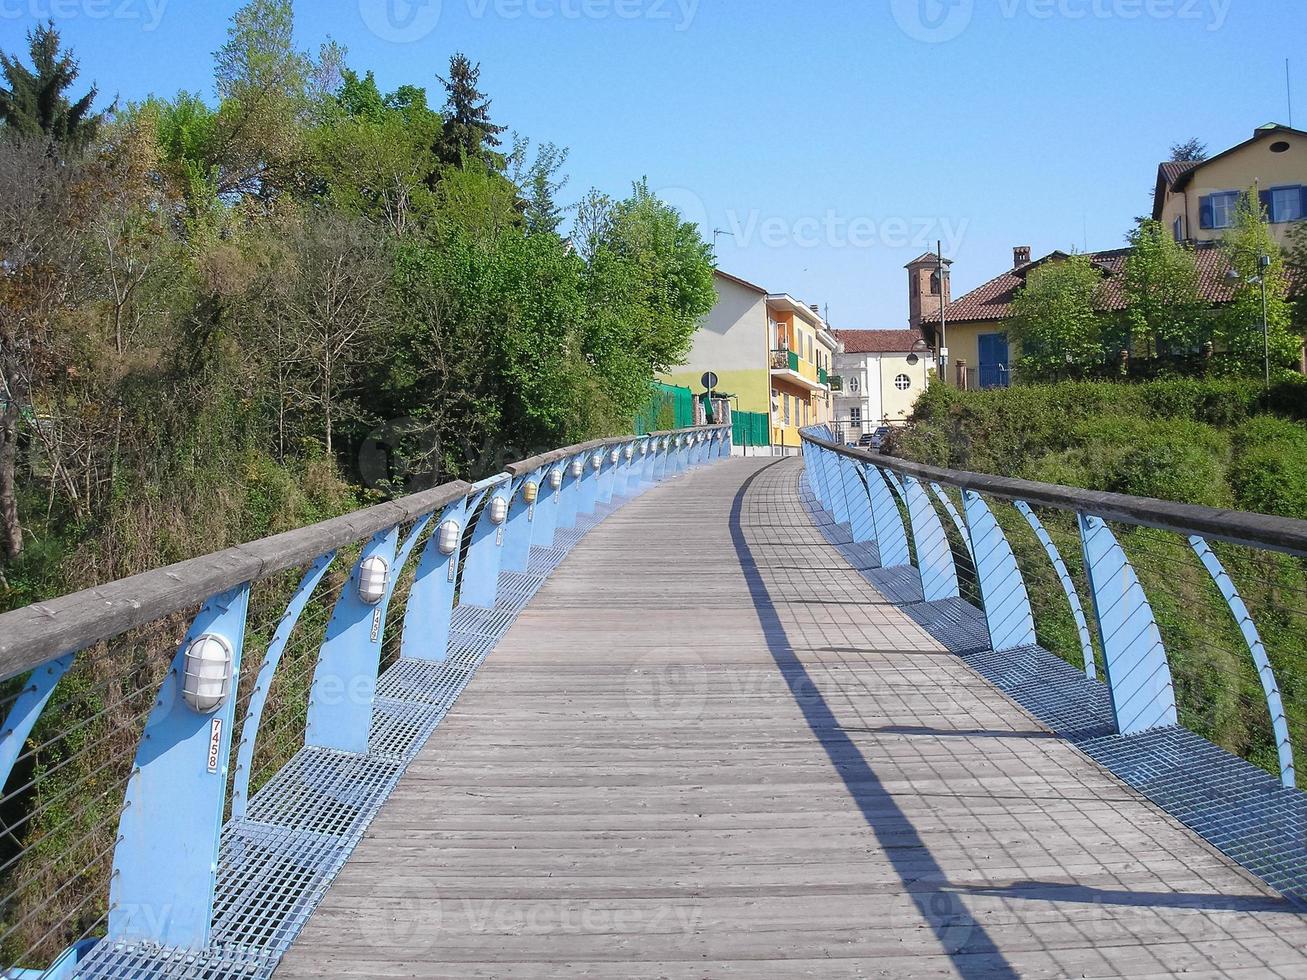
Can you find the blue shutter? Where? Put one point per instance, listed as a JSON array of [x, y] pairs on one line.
[[1302, 209], [1205, 216], [1268, 205]]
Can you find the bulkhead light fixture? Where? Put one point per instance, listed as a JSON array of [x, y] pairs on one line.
[[498, 509], [644, 448], [628, 451], [576, 467], [373, 575], [596, 461], [206, 673], [448, 536], [614, 455], [556, 477], [530, 491]]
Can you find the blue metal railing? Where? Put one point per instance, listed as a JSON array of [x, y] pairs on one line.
[[1190, 695], [176, 804]]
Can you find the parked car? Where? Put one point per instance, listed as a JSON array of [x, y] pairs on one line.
[[874, 440]]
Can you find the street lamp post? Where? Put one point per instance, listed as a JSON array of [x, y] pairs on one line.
[[1234, 277]]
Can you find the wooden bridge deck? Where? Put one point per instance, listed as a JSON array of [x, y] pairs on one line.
[[710, 748]]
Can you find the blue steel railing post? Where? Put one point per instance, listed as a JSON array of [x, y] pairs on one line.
[[1265, 673], [1068, 586], [891, 535], [821, 478], [485, 553], [430, 607], [939, 576], [345, 679], [551, 492], [648, 461], [947, 503], [589, 484], [27, 709], [263, 684], [519, 529], [1002, 590], [839, 499], [165, 861], [1138, 674], [862, 525], [625, 483], [606, 477], [569, 500]]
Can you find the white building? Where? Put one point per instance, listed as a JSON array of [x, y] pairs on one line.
[[883, 372]]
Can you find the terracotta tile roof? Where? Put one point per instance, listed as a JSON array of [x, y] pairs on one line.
[[877, 341], [927, 258], [1174, 170], [993, 300]]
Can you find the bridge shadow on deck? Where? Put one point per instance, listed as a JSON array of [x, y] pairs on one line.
[[970, 947]]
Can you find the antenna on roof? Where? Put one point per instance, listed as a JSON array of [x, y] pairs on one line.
[[1288, 90]]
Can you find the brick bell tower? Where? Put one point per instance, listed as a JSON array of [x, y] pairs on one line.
[[926, 294]]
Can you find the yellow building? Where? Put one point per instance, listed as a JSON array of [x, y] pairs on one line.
[[770, 353], [1196, 200]]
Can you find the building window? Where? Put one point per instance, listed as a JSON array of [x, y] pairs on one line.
[[1217, 211], [934, 284], [1285, 204], [855, 416], [854, 383], [787, 408], [1177, 230], [902, 382]]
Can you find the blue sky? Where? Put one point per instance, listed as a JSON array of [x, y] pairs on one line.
[[828, 140]]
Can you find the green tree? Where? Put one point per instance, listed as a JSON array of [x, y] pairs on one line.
[[1247, 244], [467, 133], [263, 83], [35, 102], [539, 185], [1055, 322], [372, 155], [649, 282], [1190, 151], [1164, 309]]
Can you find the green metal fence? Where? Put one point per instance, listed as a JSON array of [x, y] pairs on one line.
[[671, 407], [750, 429]]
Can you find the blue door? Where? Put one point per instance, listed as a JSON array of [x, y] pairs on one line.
[[993, 360]]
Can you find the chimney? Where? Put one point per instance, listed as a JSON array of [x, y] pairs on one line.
[[1020, 256]]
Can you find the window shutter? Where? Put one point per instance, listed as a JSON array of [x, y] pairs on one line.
[[1268, 205], [1302, 208], [1205, 216]]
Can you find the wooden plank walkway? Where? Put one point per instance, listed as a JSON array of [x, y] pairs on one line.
[[709, 748]]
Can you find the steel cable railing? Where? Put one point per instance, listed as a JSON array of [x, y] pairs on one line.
[[1169, 640], [189, 754]]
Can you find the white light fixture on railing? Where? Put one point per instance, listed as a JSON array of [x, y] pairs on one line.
[[206, 673], [498, 509], [614, 455], [628, 451], [596, 461], [644, 448], [556, 477], [448, 536], [373, 575], [530, 491]]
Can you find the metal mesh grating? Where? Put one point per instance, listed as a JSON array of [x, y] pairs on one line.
[[275, 866]]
